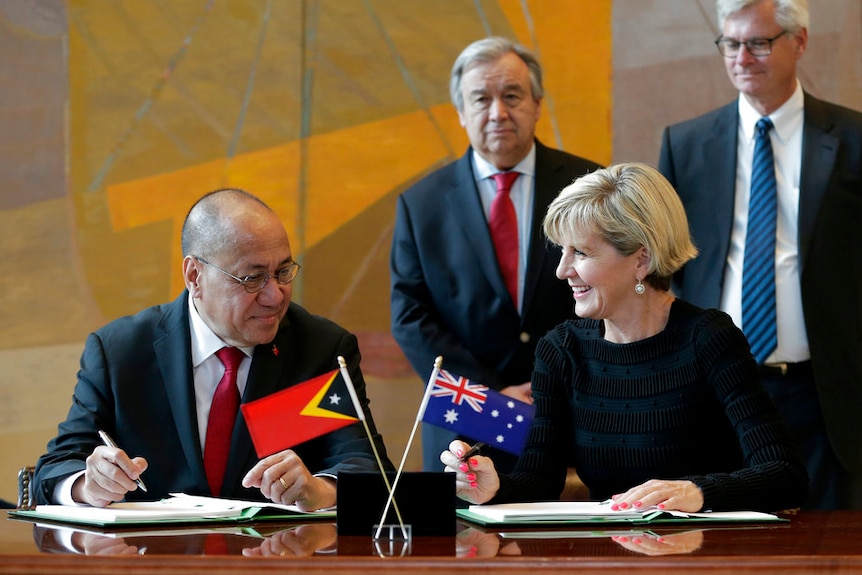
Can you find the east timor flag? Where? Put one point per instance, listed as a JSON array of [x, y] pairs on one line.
[[299, 413]]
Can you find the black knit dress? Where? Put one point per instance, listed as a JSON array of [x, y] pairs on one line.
[[684, 404]]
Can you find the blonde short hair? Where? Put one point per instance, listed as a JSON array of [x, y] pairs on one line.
[[628, 205]]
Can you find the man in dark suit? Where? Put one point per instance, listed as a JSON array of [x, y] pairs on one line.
[[449, 293], [149, 379], [814, 373]]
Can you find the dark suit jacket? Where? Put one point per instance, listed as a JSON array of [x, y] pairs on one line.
[[136, 383], [699, 158], [448, 294]]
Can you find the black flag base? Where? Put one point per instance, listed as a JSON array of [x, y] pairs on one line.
[[426, 501]]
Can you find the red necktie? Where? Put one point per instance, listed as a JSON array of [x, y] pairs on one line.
[[504, 231], [223, 410]]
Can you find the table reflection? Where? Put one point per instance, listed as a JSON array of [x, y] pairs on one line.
[[472, 542], [257, 541], [654, 544], [303, 540], [476, 542]]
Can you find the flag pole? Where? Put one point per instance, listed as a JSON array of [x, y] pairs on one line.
[[360, 413], [438, 361]]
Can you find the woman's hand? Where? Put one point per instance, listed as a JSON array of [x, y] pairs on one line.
[[669, 495], [476, 479], [654, 545]]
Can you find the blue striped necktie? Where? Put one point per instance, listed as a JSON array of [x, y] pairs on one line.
[[758, 271]]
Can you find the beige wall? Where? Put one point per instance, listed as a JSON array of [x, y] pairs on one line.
[[113, 125]]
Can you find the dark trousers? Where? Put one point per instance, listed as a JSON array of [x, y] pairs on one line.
[[830, 485]]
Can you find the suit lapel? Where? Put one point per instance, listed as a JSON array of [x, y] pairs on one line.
[[173, 355], [719, 159], [548, 183], [819, 151]]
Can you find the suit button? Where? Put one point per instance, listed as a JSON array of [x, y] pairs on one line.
[[525, 337]]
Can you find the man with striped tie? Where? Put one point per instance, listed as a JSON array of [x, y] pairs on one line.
[[772, 185]]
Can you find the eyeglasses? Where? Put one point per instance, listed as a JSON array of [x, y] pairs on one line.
[[757, 47], [256, 281]]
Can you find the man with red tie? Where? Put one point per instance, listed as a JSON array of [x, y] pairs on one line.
[[472, 278], [166, 384]]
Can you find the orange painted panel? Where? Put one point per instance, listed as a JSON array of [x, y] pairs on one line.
[[574, 43], [340, 185]]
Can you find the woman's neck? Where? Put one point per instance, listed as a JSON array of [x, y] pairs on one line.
[[649, 318]]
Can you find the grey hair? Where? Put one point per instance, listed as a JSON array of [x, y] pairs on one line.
[[488, 50], [791, 15]]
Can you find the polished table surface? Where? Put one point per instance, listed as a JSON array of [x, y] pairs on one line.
[[809, 542]]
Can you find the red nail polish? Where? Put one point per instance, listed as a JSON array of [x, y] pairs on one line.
[[636, 540], [474, 462], [471, 477], [615, 507], [660, 505], [474, 485], [463, 467], [459, 453], [638, 503], [624, 505]]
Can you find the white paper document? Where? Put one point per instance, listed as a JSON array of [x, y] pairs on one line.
[[177, 508], [594, 512]]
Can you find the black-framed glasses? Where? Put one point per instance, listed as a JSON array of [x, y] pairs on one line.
[[256, 281], [757, 47]]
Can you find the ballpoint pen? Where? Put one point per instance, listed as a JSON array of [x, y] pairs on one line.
[[472, 451], [106, 439]]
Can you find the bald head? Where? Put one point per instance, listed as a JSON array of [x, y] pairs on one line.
[[213, 222]]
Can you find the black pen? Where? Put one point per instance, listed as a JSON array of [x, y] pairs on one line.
[[473, 451], [106, 439]]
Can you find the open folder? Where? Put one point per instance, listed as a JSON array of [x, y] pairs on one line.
[[178, 508], [589, 512]]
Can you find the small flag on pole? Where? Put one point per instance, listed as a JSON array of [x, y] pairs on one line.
[[477, 412], [299, 413]]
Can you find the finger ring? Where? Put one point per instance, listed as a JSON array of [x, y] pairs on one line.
[[283, 484]]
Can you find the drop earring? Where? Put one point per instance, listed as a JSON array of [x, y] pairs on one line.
[[640, 288]]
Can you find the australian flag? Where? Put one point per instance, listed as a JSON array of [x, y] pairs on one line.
[[477, 412]]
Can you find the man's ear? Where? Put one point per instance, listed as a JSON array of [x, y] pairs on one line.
[[191, 275], [801, 38]]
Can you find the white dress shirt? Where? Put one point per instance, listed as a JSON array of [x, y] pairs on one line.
[[522, 197], [208, 368], [786, 138]]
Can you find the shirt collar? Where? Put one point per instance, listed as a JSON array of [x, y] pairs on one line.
[[783, 119], [204, 340], [485, 169]]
